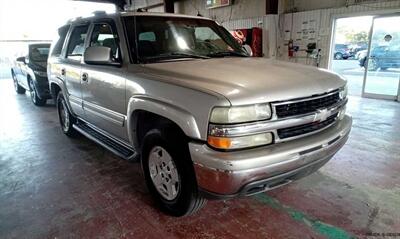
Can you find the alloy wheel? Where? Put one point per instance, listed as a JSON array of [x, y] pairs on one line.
[[163, 173]]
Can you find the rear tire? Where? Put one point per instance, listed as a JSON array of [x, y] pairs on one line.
[[36, 100], [17, 87], [66, 118], [166, 164]]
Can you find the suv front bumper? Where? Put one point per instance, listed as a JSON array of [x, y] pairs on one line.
[[246, 172]]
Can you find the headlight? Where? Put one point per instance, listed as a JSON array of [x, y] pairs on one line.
[[230, 128], [40, 73], [240, 114], [343, 92]]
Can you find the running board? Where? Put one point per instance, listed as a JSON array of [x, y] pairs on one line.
[[107, 142]]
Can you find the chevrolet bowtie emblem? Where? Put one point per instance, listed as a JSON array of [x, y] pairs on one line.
[[321, 115]]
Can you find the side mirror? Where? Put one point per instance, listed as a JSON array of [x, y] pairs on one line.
[[248, 49], [99, 55], [21, 59]]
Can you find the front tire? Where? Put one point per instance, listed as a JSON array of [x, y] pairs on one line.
[[36, 100], [17, 87], [169, 172], [66, 118], [338, 56]]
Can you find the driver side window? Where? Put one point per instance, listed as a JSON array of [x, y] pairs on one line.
[[103, 35]]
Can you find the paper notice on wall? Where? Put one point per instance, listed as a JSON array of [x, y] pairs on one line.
[[287, 35], [304, 26]]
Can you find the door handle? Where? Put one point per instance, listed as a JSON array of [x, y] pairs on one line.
[[85, 77], [63, 71]]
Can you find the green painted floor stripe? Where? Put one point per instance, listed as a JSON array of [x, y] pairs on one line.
[[325, 229]]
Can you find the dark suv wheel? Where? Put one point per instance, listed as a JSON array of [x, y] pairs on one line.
[[66, 118], [17, 87], [338, 56], [169, 172], [36, 100]]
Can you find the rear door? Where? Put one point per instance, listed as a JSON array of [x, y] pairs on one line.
[[103, 90], [72, 66]]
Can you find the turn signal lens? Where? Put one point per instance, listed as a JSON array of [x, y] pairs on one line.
[[240, 142], [218, 142]]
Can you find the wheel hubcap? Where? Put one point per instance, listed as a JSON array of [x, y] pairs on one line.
[[164, 173], [64, 115]]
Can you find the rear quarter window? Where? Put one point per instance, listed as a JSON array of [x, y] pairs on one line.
[[58, 43]]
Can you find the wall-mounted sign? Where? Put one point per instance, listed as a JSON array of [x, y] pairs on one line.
[[217, 3]]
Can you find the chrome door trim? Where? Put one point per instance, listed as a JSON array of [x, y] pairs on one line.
[[106, 114]]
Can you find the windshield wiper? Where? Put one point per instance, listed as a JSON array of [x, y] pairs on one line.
[[174, 55], [226, 53]]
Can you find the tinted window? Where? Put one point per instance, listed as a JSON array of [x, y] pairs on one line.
[[103, 35], [167, 38], [39, 53], [76, 44], [59, 42]]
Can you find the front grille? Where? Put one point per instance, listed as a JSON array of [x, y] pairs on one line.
[[306, 106], [305, 128]]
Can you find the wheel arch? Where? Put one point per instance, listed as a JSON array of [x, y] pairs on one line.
[[157, 112]]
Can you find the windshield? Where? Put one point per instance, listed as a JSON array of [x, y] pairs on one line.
[[39, 53], [171, 38]]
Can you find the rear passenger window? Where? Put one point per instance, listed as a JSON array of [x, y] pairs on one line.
[[58, 43], [103, 36], [76, 44]]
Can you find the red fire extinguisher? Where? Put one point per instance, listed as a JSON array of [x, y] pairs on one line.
[[290, 48]]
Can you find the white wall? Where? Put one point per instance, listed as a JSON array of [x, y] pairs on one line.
[[324, 22], [241, 9]]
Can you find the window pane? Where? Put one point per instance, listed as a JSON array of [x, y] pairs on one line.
[[103, 36], [76, 42], [62, 34]]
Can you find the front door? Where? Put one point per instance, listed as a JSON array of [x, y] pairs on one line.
[[382, 75], [103, 88]]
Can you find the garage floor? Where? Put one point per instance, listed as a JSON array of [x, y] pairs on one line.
[[52, 186]]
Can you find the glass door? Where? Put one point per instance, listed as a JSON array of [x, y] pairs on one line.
[[382, 63]]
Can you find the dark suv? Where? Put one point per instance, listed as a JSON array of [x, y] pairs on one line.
[[29, 73], [382, 57]]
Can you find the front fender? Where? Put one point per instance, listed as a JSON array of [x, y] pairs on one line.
[[179, 116]]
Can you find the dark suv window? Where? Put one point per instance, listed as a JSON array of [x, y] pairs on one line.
[[103, 35], [76, 44], [58, 43]]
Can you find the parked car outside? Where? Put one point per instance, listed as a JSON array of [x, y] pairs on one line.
[[382, 57], [182, 96], [342, 51], [29, 73]]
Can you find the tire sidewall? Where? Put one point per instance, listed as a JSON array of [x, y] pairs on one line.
[[60, 100], [178, 150]]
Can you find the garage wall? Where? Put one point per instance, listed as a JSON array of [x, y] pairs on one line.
[[241, 9], [307, 5], [323, 24]]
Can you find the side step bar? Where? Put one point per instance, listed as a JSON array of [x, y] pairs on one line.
[[107, 142]]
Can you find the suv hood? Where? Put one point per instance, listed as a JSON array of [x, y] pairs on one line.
[[248, 80]]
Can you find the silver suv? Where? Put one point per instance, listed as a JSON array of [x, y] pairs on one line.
[[206, 120]]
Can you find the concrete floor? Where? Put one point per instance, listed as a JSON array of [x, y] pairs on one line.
[[55, 187]]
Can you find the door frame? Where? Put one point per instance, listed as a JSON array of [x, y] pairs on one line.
[[373, 13], [373, 95]]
